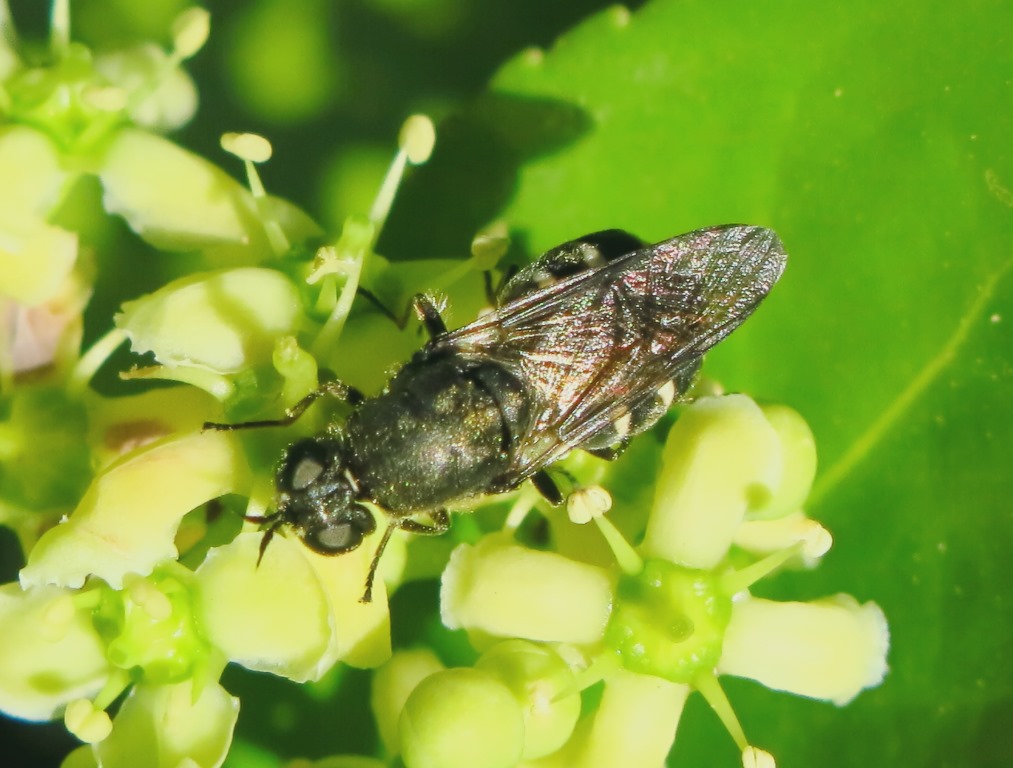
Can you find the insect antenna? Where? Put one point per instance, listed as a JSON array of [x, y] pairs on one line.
[[273, 521]]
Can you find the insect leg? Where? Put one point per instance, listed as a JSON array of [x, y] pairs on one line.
[[441, 523], [546, 486], [367, 595], [492, 292], [373, 299], [335, 389], [427, 312], [423, 306]]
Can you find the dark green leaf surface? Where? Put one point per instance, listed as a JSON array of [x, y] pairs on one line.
[[876, 140]]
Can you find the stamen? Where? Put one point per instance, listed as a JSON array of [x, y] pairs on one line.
[[587, 504], [754, 757], [59, 28], [490, 245], [417, 138], [251, 148], [116, 683], [190, 31], [86, 721], [521, 509], [93, 359], [601, 666], [416, 142], [626, 556], [734, 582], [709, 687]]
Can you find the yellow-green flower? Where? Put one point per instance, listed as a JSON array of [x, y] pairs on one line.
[[677, 612]]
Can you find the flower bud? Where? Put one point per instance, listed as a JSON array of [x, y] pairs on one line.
[[537, 676], [461, 718]]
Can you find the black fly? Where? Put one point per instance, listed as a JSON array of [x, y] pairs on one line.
[[588, 346]]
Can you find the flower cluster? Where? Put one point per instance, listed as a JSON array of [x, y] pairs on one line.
[[141, 583], [651, 623]]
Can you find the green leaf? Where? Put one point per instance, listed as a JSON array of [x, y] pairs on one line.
[[876, 140]]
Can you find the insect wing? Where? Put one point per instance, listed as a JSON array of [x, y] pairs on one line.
[[602, 341]]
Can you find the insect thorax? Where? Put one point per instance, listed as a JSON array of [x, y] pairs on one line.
[[441, 432]]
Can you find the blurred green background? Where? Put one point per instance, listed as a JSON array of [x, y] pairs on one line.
[[874, 137]]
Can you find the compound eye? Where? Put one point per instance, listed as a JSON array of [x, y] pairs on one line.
[[304, 472], [342, 535], [304, 463]]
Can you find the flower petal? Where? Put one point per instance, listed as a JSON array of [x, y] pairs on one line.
[[33, 179], [297, 613], [722, 456], [461, 718], [511, 591], [829, 649], [798, 456], [634, 724], [50, 653], [48, 332], [127, 519], [36, 263], [171, 725], [167, 106], [175, 199], [546, 688], [222, 321]]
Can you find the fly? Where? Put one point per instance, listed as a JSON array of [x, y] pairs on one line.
[[587, 347]]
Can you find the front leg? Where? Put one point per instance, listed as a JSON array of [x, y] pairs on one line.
[[335, 389], [440, 524], [423, 306], [429, 314]]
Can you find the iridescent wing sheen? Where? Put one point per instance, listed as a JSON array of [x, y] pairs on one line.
[[600, 342]]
